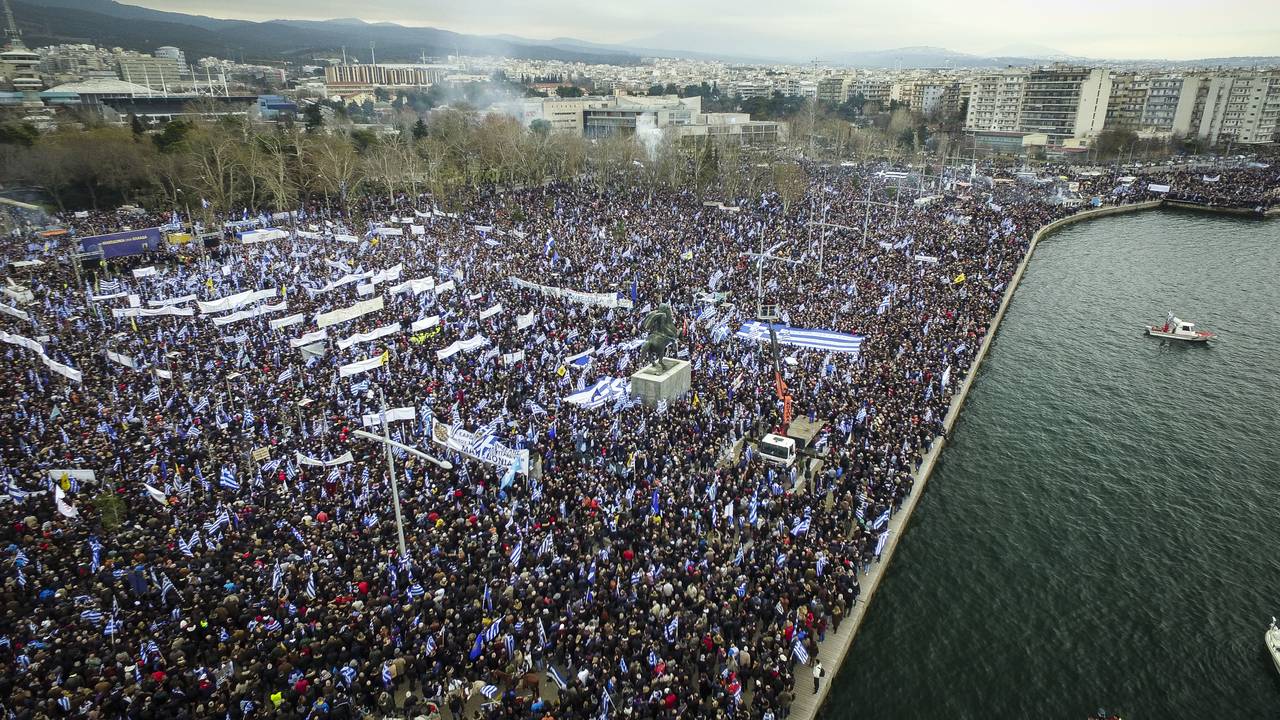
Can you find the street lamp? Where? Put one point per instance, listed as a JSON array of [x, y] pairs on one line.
[[386, 440]]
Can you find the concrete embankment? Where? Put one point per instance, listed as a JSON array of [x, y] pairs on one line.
[[833, 652]]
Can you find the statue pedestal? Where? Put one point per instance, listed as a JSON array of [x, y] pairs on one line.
[[653, 384]]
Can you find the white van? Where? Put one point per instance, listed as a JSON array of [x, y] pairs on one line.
[[778, 450]]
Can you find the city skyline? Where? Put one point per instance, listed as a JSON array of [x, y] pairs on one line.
[[1121, 30]]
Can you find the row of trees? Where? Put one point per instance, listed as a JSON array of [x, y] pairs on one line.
[[232, 163]]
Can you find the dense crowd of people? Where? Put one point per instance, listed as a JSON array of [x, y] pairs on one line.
[[235, 553]]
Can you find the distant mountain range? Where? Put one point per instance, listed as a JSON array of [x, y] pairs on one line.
[[110, 24]]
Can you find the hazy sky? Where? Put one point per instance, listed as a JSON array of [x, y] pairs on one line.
[[1174, 29]]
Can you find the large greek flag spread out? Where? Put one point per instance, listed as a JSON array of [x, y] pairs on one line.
[[826, 340], [605, 391]]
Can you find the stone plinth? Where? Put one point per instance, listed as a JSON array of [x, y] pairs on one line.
[[652, 384]]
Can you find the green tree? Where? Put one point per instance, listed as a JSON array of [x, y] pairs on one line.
[[135, 124], [111, 509], [569, 91], [313, 117], [18, 133], [540, 127], [382, 94], [419, 129], [173, 134]]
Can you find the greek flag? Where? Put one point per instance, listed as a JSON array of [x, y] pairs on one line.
[[416, 591], [516, 552], [91, 616], [272, 625], [489, 691], [548, 545], [557, 677], [797, 650], [884, 538], [286, 375], [386, 674], [200, 406], [16, 493], [811, 339], [249, 417], [311, 586], [153, 395], [166, 586], [185, 546], [801, 525], [276, 575], [822, 564], [492, 631], [881, 521], [95, 550], [673, 627], [228, 479], [348, 674]]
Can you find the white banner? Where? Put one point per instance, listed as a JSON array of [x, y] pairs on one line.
[[148, 271], [334, 284], [444, 287], [65, 370], [416, 287], [485, 314], [926, 259], [1157, 188], [484, 448], [251, 313], [374, 334], [122, 359], [424, 323], [112, 296], [524, 321], [363, 307], [400, 413], [20, 314], [73, 473], [576, 296], [512, 358], [172, 301], [285, 322], [474, 343], [343, 458], [231, 302], [264, 235], [362, 366], [309, 338], [152, 312], [365, 289]]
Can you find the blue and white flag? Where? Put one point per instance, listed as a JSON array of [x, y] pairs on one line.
[[557, 677], [798, 650], [516, 552], [673, 627], [881, 521], [228, 479], [548, 545], [884, 538], [828, 340], [489, 691], [605, 391]]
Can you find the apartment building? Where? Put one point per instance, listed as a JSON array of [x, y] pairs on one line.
[[995, 102]]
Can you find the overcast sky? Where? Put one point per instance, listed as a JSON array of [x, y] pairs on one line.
[[1174, 29]]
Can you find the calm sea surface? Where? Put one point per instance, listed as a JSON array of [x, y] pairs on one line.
[[1103, 529]]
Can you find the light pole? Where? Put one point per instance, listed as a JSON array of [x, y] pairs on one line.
[[386, 440]]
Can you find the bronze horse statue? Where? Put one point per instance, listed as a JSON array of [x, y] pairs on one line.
[[661, 326]]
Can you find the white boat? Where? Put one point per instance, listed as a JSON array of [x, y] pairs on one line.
[[1176, 329], [1272, 638]]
